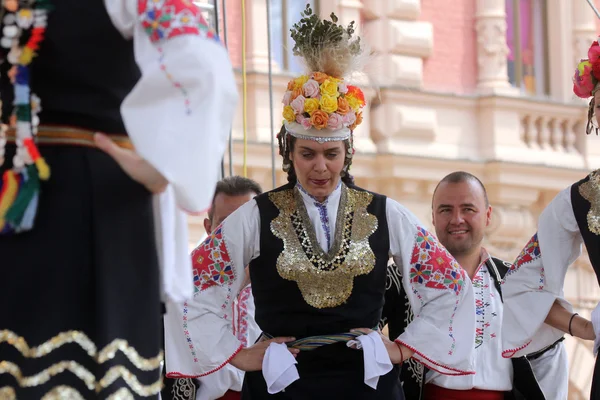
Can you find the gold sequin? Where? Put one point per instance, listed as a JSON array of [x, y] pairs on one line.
[[121, 372], [42, 377], [591, 192], [108, 353], [63, 392], [84, 374], [7, 393], [121, 394], [324, 279]]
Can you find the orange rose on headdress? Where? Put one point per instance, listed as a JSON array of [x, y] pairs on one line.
[[343, 106], [358, 121], [319, 119], [355, 97], [319, 77]]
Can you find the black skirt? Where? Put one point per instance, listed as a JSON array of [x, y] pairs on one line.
[[84, 283], [329, 372]]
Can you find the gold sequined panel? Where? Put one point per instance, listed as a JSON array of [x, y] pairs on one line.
[[591, 192], [107, 353], [65, 392], [324, 279]]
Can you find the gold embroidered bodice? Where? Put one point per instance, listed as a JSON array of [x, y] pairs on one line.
[[591, 192], [325, 279]]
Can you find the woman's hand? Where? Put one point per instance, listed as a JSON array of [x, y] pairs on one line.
[[398, 353], [135, 166], [251, 358]]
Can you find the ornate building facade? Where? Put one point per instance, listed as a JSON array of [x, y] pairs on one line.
[[477, 85]]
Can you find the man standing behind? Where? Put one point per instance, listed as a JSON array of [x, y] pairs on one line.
[[460, 214], [231, 193]]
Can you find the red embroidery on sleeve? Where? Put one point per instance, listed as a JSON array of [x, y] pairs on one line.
[[211, 263], [166, 19]]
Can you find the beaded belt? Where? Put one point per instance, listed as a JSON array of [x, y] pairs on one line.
[[314, 342], [66, 136]]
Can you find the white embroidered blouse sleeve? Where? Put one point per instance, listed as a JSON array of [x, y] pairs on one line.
[[442, 333], [199, 337], [537, 277], [180, 112]]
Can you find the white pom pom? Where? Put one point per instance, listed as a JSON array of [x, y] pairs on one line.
[[10, 31]]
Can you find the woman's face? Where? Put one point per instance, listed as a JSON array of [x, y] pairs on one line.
[[318, 166]]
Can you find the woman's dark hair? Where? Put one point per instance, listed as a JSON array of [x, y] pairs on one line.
[[286, 146]]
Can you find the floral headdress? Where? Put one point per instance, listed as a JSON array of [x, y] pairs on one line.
[[320, 105], [586, 80]]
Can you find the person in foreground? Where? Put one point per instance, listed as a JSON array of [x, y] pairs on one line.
[[318, 249], [536, 312], [101, 104], [460, 214], [226, 384]]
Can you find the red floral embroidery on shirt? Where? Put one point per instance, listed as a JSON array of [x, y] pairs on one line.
[[166, 19], [530, 253], [211, 263], [433, 266]]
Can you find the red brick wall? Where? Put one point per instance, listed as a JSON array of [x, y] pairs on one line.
[[234, 29], [452, 67]]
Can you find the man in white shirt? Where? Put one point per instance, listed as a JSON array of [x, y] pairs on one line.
[[460, 214], [230, 194]]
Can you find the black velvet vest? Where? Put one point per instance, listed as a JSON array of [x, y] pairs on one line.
[[84, 69], [285, 307], [581, 208]]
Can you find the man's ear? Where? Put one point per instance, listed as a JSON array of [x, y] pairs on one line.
[[207, 226]]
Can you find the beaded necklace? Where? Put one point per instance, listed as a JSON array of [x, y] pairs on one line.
[[23, 27]]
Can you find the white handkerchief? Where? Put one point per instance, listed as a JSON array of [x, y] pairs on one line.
[[596, 324], [376, 358], [279, 368]]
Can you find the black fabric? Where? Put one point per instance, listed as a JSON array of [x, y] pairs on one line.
[[84, 68], [89, 264], [277, 299], [581, 207], [397, 314], [332, 371]]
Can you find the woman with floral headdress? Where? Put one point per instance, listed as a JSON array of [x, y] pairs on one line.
[[318, 248], [536, 313]]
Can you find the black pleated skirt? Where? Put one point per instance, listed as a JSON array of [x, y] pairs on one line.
[[332, 372], [79, 294]]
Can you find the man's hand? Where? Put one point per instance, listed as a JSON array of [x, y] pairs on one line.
[[251, 358], [135, 166]]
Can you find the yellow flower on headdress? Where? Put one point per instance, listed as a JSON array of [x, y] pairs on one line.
[[330, 88], [353, 102], [311, 105], [329, 104], [289, 114], [300, 81]]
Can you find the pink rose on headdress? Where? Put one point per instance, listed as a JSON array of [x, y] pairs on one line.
[[311, 88], [349, 118], [335, 122], [298, 104], [305, 122], [342, 88], [583, 84], [287, 97]]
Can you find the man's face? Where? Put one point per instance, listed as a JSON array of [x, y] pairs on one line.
[[223, 206], [460, 216]]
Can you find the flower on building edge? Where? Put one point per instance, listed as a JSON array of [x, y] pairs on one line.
[[319, 119]]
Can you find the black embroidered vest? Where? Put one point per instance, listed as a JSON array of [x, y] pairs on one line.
[[585, 200], [84, 69], [298, 290]]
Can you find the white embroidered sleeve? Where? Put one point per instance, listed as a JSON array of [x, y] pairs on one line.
[[441, 333], [199, 335], [536, 279], [180, 112]]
